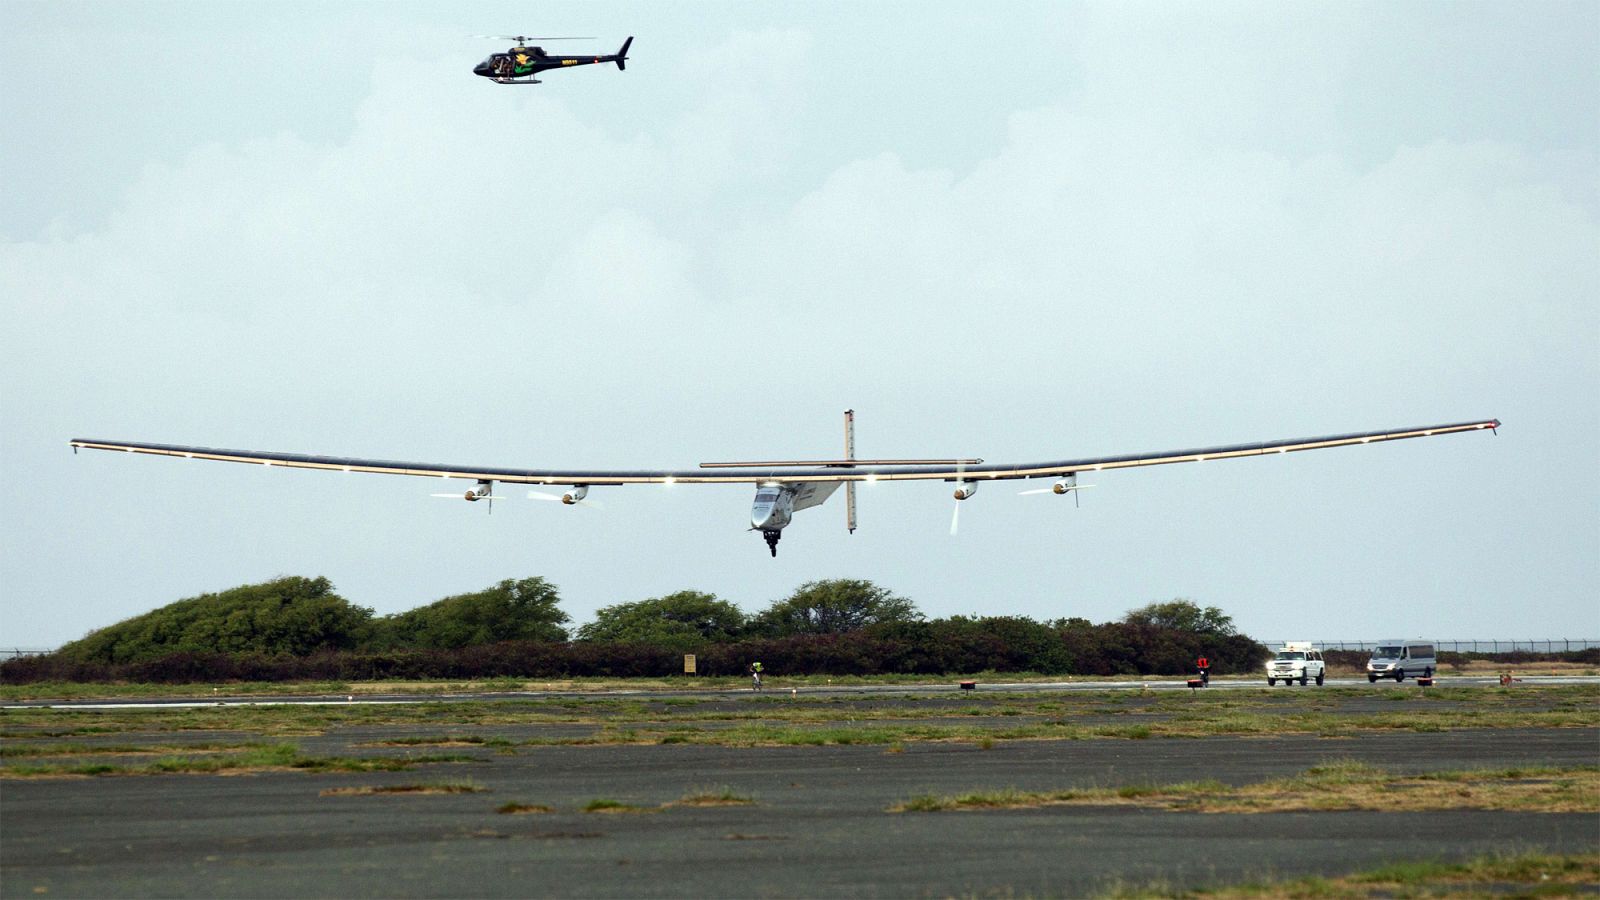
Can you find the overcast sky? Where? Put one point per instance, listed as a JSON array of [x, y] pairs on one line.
[[1017, 231]]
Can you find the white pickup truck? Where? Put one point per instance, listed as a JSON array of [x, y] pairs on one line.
[[1296, 661]]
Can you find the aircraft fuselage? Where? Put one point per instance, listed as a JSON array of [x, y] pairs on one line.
[[520, 64]]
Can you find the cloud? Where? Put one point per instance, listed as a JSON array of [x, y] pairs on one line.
[[474, 274]]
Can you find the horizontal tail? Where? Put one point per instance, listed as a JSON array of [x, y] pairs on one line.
[[622, 55]]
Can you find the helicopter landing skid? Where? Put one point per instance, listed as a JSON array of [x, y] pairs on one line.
[[504, 80]]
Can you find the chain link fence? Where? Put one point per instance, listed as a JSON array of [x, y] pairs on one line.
[[1547, 645], [14, 652]]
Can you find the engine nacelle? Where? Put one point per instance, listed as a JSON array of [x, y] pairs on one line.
[[965, 489], [577, 493], [472, 496], [1066, 484]]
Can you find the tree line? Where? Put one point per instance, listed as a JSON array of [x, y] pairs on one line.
[[299, 629]]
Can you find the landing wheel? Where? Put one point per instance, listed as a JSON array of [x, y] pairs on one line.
[[772, 536]]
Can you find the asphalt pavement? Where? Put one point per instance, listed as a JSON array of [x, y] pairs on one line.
[[818, 825]]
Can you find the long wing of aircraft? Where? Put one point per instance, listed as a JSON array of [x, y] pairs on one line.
[[782, 487]]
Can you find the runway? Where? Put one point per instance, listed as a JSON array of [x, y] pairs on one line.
[[115, 799], [818, 824], [776, 687]]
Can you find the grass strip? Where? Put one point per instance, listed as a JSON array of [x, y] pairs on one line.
[[1494, 876], [449, 740], [522, 809], [13, 750], [429, 787], [82, 690], [258, 758], [606, 805], [836, 720], [716, 795], [1338, 785]]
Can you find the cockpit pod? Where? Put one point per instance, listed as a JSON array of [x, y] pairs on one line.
[[772, 509]]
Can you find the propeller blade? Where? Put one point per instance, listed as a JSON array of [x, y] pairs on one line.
[[955, 519], [1051, 490]]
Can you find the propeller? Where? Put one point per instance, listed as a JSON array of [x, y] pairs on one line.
[[541, 495], [961, 494], [484, 492], [1062, 486]]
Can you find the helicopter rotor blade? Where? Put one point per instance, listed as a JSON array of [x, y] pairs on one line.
[[523, 37]]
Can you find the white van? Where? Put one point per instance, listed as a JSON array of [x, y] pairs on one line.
[[1397, 659]]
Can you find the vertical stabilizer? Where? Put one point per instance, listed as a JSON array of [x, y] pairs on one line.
[[850, 486]]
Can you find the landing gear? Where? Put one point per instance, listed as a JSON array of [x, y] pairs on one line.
[[772, 535]]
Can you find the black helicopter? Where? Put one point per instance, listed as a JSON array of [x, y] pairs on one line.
[[519, 64]]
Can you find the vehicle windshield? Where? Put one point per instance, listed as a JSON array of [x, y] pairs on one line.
[[1386, 653], [1291, 654]]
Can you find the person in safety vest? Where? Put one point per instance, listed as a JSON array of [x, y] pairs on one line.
[[755, 675]]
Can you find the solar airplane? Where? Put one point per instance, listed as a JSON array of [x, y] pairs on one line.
[[785, 487]]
